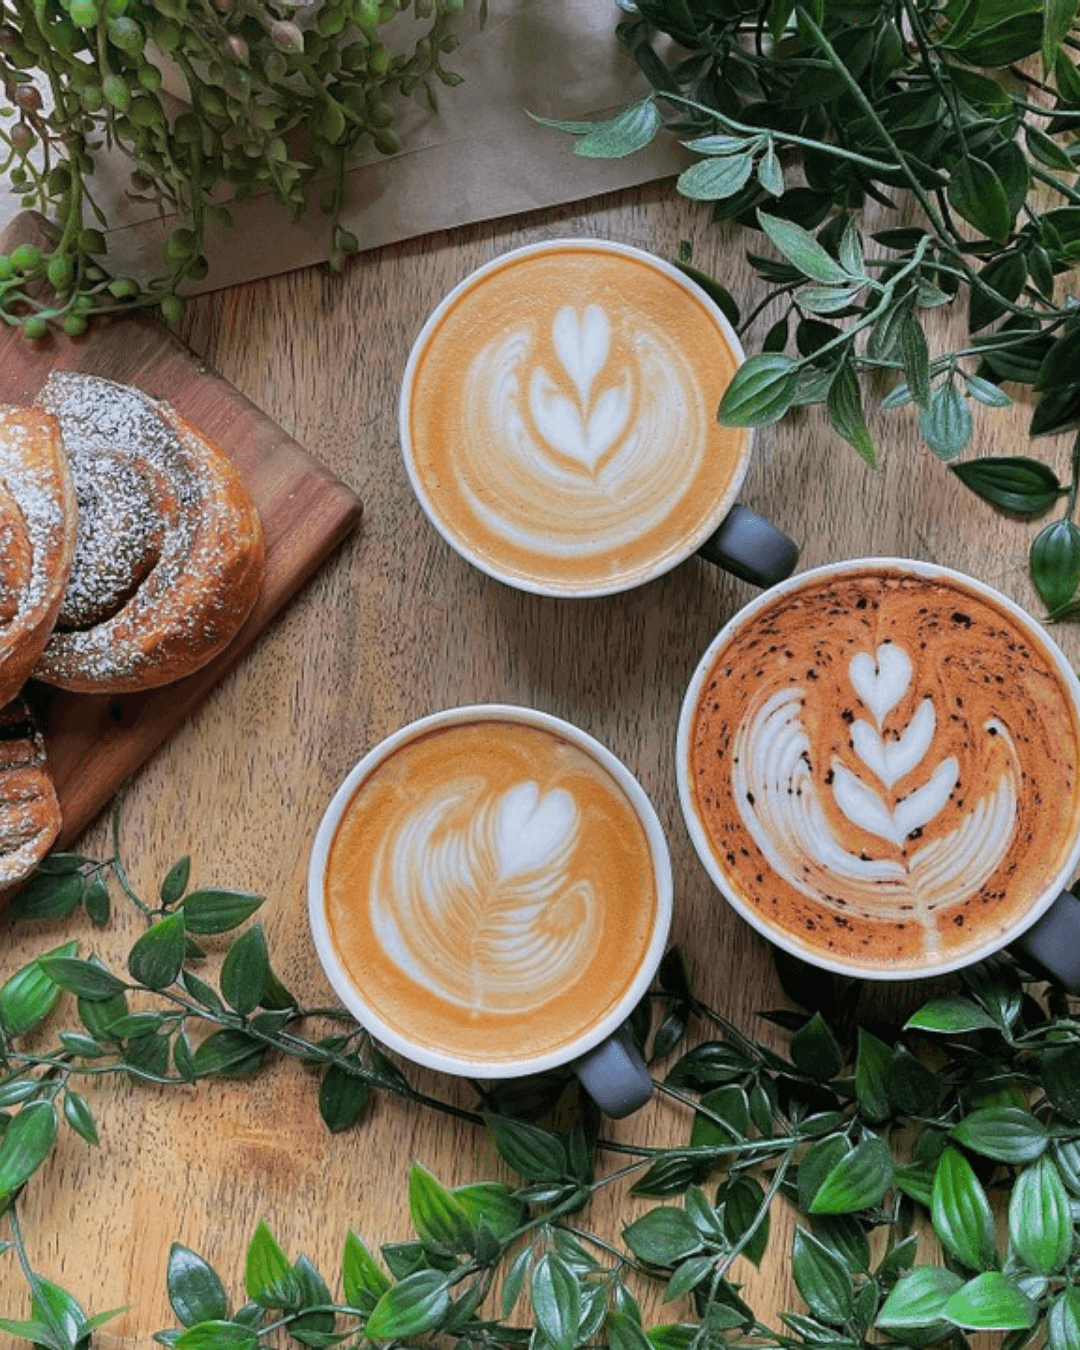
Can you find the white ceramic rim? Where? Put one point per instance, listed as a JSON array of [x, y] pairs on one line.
[[779, 937], [343, 984], [581, 243]]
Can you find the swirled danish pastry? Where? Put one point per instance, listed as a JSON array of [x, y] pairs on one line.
[[29, 810], [169, 556], [37, 538]]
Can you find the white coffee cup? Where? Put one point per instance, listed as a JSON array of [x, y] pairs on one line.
[[558, 424], [469, 895], [879, 768]]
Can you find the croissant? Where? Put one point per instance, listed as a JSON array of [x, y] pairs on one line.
[[169, 555], [29, 809], [37, 538]]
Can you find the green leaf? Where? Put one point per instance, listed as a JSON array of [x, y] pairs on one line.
[[1011, 482], [987, 393], [961, 1212], [47, 896], [217, 911], [628, 131], [1059, 1072], [978, 195], [1040, 1218], [1058, 16], [991, 1302], [343, 1098], [918, 1299], [268, 1277], [78, 1116], [816, 1164], [731, 1104], [858, 1181], [85, 979], [1005, 1133], [556, 1301], [158, 957], [514, 1280], [1055, 563], [946, 425], [663, 1236], [828, 299], [25, 1144], [844, 406], [195, 1291], [1047, 151], [1063, 1320], [871, 1066], [711, 180], [537, 1154], [719, 295], [1061, 364], [175, 881], [492, 1203], [29, 995], [437, 1215], [770, 172], [915, 357], [913, 1087], [952, 1015], [362, 1279], [801, 249], [822, 1279], [409, 1308], [916, 1180], [742, 1199], [245, 972], [624, 1332], [1005, 275], [760, 392], [229, 1053], [217, 1335]]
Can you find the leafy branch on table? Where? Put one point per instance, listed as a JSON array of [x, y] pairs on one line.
[[883, 1158], [799, 115]]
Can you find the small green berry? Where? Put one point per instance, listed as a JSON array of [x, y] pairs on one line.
[[124, 288], [172, 309], [60, 272], [35, 326], [75, 325], [85, 13], [26, 257]]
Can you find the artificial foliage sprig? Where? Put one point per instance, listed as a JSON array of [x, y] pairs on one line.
[[797, 116], [280, 99], [933, 1168]]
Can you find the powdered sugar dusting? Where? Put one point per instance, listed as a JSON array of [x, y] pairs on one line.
[[167, 546]]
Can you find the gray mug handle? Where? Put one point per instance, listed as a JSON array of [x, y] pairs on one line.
[[615, 1076], [1052, 944], [749, 547]]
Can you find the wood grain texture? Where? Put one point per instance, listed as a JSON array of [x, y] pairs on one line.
[[394, 627]]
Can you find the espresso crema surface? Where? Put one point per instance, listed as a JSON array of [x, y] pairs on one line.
[[490, 891], [562, 420], [886, 769]]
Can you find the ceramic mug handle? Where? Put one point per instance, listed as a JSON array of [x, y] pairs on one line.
[[615, 1076], [749, 547], [1052, 944]]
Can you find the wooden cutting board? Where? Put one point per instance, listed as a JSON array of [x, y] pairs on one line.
[[96, 742]]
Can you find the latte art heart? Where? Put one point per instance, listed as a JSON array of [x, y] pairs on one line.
[[560, 419]]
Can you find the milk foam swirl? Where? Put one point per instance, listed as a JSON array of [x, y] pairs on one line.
[[583, 449], [908, 877], [487, 915]]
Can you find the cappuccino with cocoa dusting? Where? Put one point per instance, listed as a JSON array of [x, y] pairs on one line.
[[558, 418], [879, 766], [490, 891]]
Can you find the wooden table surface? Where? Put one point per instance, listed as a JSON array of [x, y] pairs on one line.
[[396, 626]]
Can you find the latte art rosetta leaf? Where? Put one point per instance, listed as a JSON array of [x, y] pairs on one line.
[[912, 874], [474, 897]]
